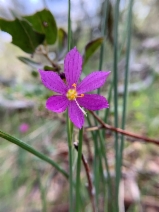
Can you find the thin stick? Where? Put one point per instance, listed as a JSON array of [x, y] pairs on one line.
[[54, 65], [121, 131], [90, 186], [45, 54], [114, 129]]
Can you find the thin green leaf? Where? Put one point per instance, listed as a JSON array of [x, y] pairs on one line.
[[32, 151], [44, 22], [69, 124], [30, 62], [23, 35], [69, 27], [90, 48], [115, 82]]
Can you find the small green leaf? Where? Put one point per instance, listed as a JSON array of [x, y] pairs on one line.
[[34, 74], [48, 68], [23, 34], [90, 48], [62, 43], [30, 62], [44, 22], [62, 39]]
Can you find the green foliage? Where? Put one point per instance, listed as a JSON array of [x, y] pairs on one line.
[[30, 62], [23, 35], [44, 22], [90, 48]]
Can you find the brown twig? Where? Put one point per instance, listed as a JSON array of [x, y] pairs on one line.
[[54, 65], [121, 131], [95, 128], [45, 54], [109, 127], [90, 186]]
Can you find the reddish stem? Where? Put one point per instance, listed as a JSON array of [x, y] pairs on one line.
[[124, 132]]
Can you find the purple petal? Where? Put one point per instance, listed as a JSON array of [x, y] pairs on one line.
[[75, 114], [72, 66], [93, 81], [57, 103], [52, 81], [93, 102]]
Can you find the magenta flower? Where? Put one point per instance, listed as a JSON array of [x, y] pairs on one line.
[[24, 127], [72, 95]]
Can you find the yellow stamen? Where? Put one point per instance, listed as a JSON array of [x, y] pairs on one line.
[[71, 94]]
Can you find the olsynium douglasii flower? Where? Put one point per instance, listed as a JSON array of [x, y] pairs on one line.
[[24, 127], [73, 95]]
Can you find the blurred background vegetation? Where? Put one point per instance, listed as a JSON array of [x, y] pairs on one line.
[[28, 184]]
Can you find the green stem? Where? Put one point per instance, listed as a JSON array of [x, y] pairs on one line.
[[69, 134], [69, 25], [104, 154], [104, 31], [116, 98], [78, 182], [69, 123], [126, 80], [99, 177], [96, 162], [32, 151]]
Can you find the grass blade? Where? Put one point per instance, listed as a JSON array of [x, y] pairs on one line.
[[115, 81], [126, 80], [32, 151], [78, 171]]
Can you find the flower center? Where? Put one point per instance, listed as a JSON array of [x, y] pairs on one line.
[[71, 94]]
